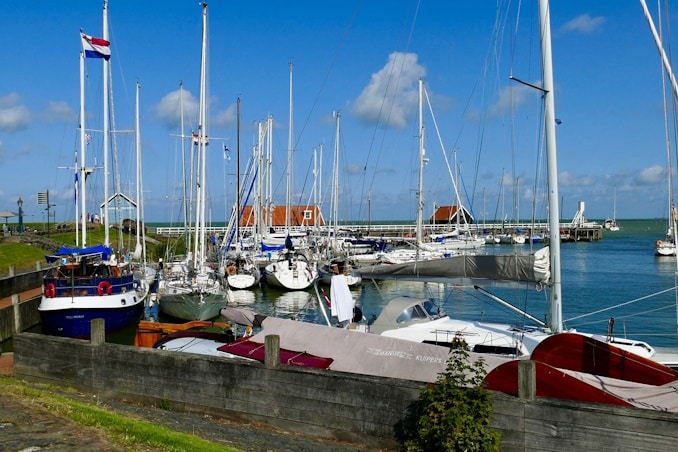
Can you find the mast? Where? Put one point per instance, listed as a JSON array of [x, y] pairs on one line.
[[420, 192], [202, 141], [105, 130], [335, 178], [551, 167], [83, 144], [186, 206], [237, 178], [289, 159], [138, 158]]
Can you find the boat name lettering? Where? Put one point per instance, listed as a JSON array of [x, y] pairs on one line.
[[429, 359], [394, 353]]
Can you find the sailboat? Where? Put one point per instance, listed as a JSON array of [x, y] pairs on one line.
[[192, 289], [89, 282], [422, 321], [667, 245], [292, 270], [339, 260], [611, 223]]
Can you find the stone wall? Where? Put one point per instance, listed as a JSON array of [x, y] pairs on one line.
[[321, 403]]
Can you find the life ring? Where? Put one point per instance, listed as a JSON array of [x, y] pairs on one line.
[[231, 270], [50, 290], [104, 287], [658, 243]]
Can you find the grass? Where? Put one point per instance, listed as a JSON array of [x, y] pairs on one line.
[[129, 433], [22, 256]]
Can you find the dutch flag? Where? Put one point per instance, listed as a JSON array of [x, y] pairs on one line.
[[95, 47]]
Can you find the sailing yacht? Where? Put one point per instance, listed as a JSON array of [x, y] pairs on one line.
[[191, 289], [292, 270], [89, 282], [421, 321]]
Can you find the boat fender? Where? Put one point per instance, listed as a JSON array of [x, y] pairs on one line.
[[104, 288], [357, 314], [231, 270], [135, 284], [50, 290]]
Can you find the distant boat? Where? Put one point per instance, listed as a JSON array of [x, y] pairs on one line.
[[611, 223]]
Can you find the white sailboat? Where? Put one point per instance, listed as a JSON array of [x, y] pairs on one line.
[[292, 271], [611, 223], [90, 282], [192, 289], [421, 321]]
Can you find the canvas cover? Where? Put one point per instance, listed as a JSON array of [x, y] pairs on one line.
[[533, 268], [364, 353]]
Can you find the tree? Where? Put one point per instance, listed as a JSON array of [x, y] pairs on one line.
[[453, 414]]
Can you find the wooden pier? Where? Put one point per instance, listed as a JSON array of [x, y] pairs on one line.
[[587, 232]]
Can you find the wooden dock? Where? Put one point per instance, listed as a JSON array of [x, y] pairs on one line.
[[568, 233]]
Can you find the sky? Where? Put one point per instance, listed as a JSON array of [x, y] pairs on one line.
[[362, 59]]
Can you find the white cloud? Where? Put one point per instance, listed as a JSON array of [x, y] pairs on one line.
[[58, 111], [652, 175], [225, 117], [168, 110], [391, 96], [584, 24], [13, 115], [510, 98]]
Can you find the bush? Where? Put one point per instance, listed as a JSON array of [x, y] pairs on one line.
[[454, 413]]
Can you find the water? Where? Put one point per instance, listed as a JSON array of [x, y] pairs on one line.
[[618, 277]]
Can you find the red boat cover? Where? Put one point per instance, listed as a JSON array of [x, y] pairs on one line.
[[254, 350], [584, 354]]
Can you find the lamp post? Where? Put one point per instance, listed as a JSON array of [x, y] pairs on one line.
[[20, 203]]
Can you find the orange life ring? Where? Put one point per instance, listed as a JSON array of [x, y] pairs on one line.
[[50, 290], [104, 288], [231, 270]]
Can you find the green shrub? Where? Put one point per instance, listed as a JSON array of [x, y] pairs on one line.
[[454, 413]]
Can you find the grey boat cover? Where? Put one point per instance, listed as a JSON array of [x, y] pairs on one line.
[[358, 352], [533, 268]]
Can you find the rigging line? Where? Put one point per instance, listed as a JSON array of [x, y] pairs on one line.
[[376, 127], [663, 308], [621, 304], [329, 71], [493, 53]]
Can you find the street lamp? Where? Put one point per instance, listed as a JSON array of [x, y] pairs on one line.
[[20, 203]]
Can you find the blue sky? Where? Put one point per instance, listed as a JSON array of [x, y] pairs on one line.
[[608, 96]]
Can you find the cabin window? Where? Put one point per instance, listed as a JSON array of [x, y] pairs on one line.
[[308, 214], [431, 308]]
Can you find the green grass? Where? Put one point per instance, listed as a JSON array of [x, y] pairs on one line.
[[129, 433], [22, 256]]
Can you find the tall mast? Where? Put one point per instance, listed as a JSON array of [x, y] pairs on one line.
[[237, 178], [202, 141], [289, 159], [186, 207], [83, 144], [138, 158], [420, 192], [551, 167], [105, 129]]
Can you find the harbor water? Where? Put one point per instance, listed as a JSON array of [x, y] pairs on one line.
[[617, 277]]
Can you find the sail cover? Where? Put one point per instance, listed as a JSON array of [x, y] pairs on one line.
[[532, 268]]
